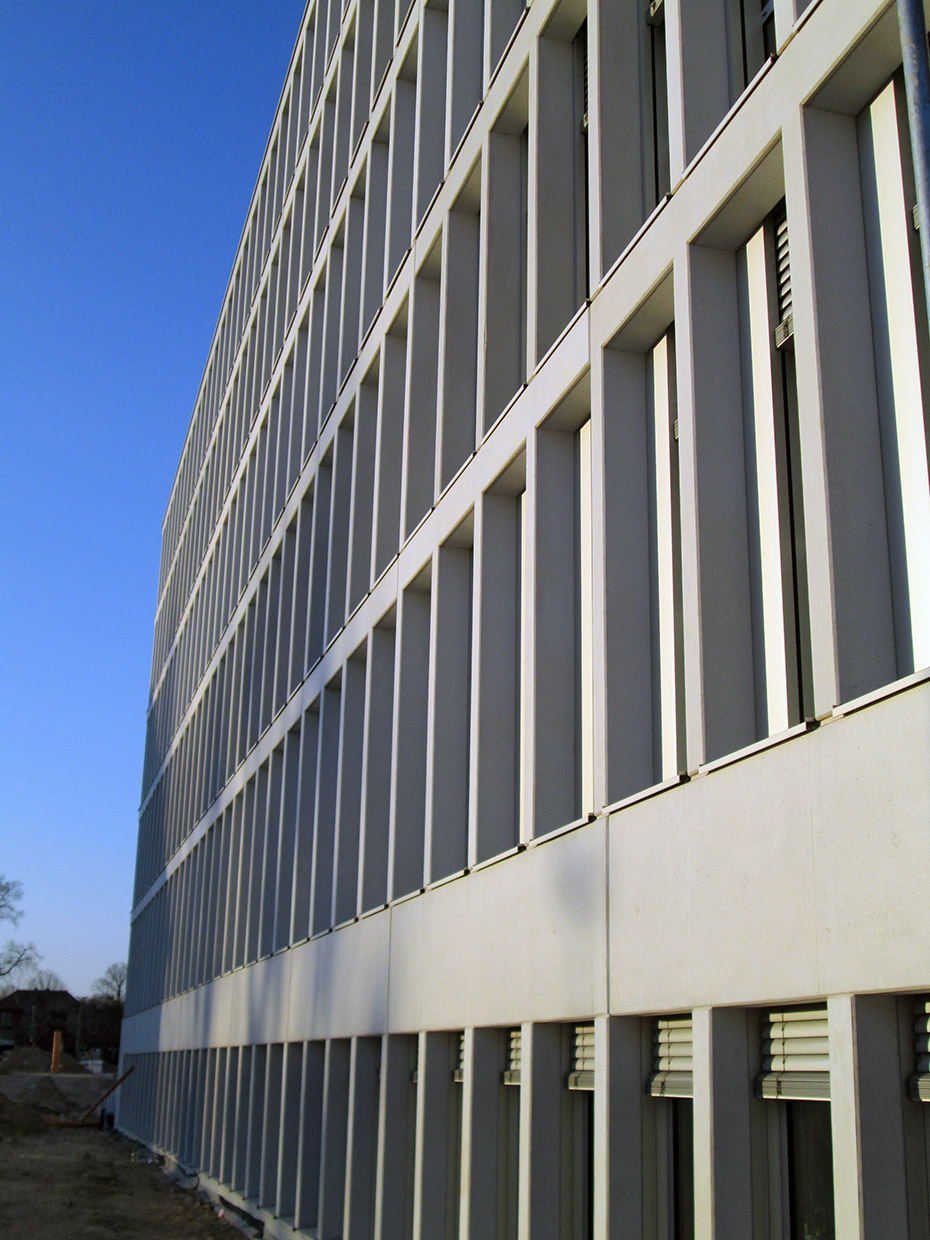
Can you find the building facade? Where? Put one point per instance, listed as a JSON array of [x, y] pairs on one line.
[[534, 834]]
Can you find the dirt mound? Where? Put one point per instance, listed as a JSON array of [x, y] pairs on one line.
[[31, 1059], [26, 1059], [19, 1121], [44, 1095], [69, 1096]]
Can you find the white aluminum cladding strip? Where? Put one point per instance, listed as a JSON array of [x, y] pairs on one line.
[[512, 1072], [920, 1082], [582, 1073], [672, 1060], [796, 1054]]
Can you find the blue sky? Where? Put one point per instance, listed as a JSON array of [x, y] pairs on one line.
[[132, 134]]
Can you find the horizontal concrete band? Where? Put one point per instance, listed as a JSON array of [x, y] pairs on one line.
[[814, 885]]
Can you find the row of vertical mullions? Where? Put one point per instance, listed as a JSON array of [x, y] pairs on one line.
[[261, 213], [279, 819], [267, 507], [335, 621], [411, 370], [225, 424], [233, 308], [321, 191], [343, 292], [292, 281], [295, 115], [333, 831], [382, 1128], [360, 74], [336, 1135], [433, 663], [644, 639], [769, 687]]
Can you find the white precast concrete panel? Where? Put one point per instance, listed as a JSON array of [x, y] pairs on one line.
[[797, 871], [323, 1003], [517, 937]]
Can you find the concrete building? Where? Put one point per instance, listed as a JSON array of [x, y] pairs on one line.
[[534, 837]]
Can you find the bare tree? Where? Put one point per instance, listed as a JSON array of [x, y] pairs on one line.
[[43, 979], [113, 983], [11, 892], [14, 956]]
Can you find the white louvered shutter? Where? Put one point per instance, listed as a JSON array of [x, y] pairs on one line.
[[512, 1071], [582, 1073], [785, 329], [796, 1054], [672, 1058], [920, 1081]]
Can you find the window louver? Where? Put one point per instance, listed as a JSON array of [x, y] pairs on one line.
[[582, 37], [582, 1073], [919, 1083], [672, 1058], [511, 1075], [785, 329], [796, 1054]]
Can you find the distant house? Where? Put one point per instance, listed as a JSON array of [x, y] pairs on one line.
[[32, 1016]]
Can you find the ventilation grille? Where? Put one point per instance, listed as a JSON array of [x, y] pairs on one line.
[[672, 1058], [514, 1054], [582, 1073], [796, 1054]]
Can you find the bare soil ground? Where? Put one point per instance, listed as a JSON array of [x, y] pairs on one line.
[[82, 1184], [85, 1184]]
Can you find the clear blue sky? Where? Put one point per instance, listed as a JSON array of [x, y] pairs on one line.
[[132, 135]]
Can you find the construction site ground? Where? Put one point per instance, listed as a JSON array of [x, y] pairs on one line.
[[68, 1183]]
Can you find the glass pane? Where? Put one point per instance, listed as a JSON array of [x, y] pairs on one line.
[[810, 1163], [683, 1153]]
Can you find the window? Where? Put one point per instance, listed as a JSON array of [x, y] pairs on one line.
[[796, 1078], [754, 41], [578, 1131], [671, 1084], [655, 101], [644, 669], [508, 1152], [781, 654]]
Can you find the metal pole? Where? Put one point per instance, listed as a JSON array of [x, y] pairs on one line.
[[917, 89]]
